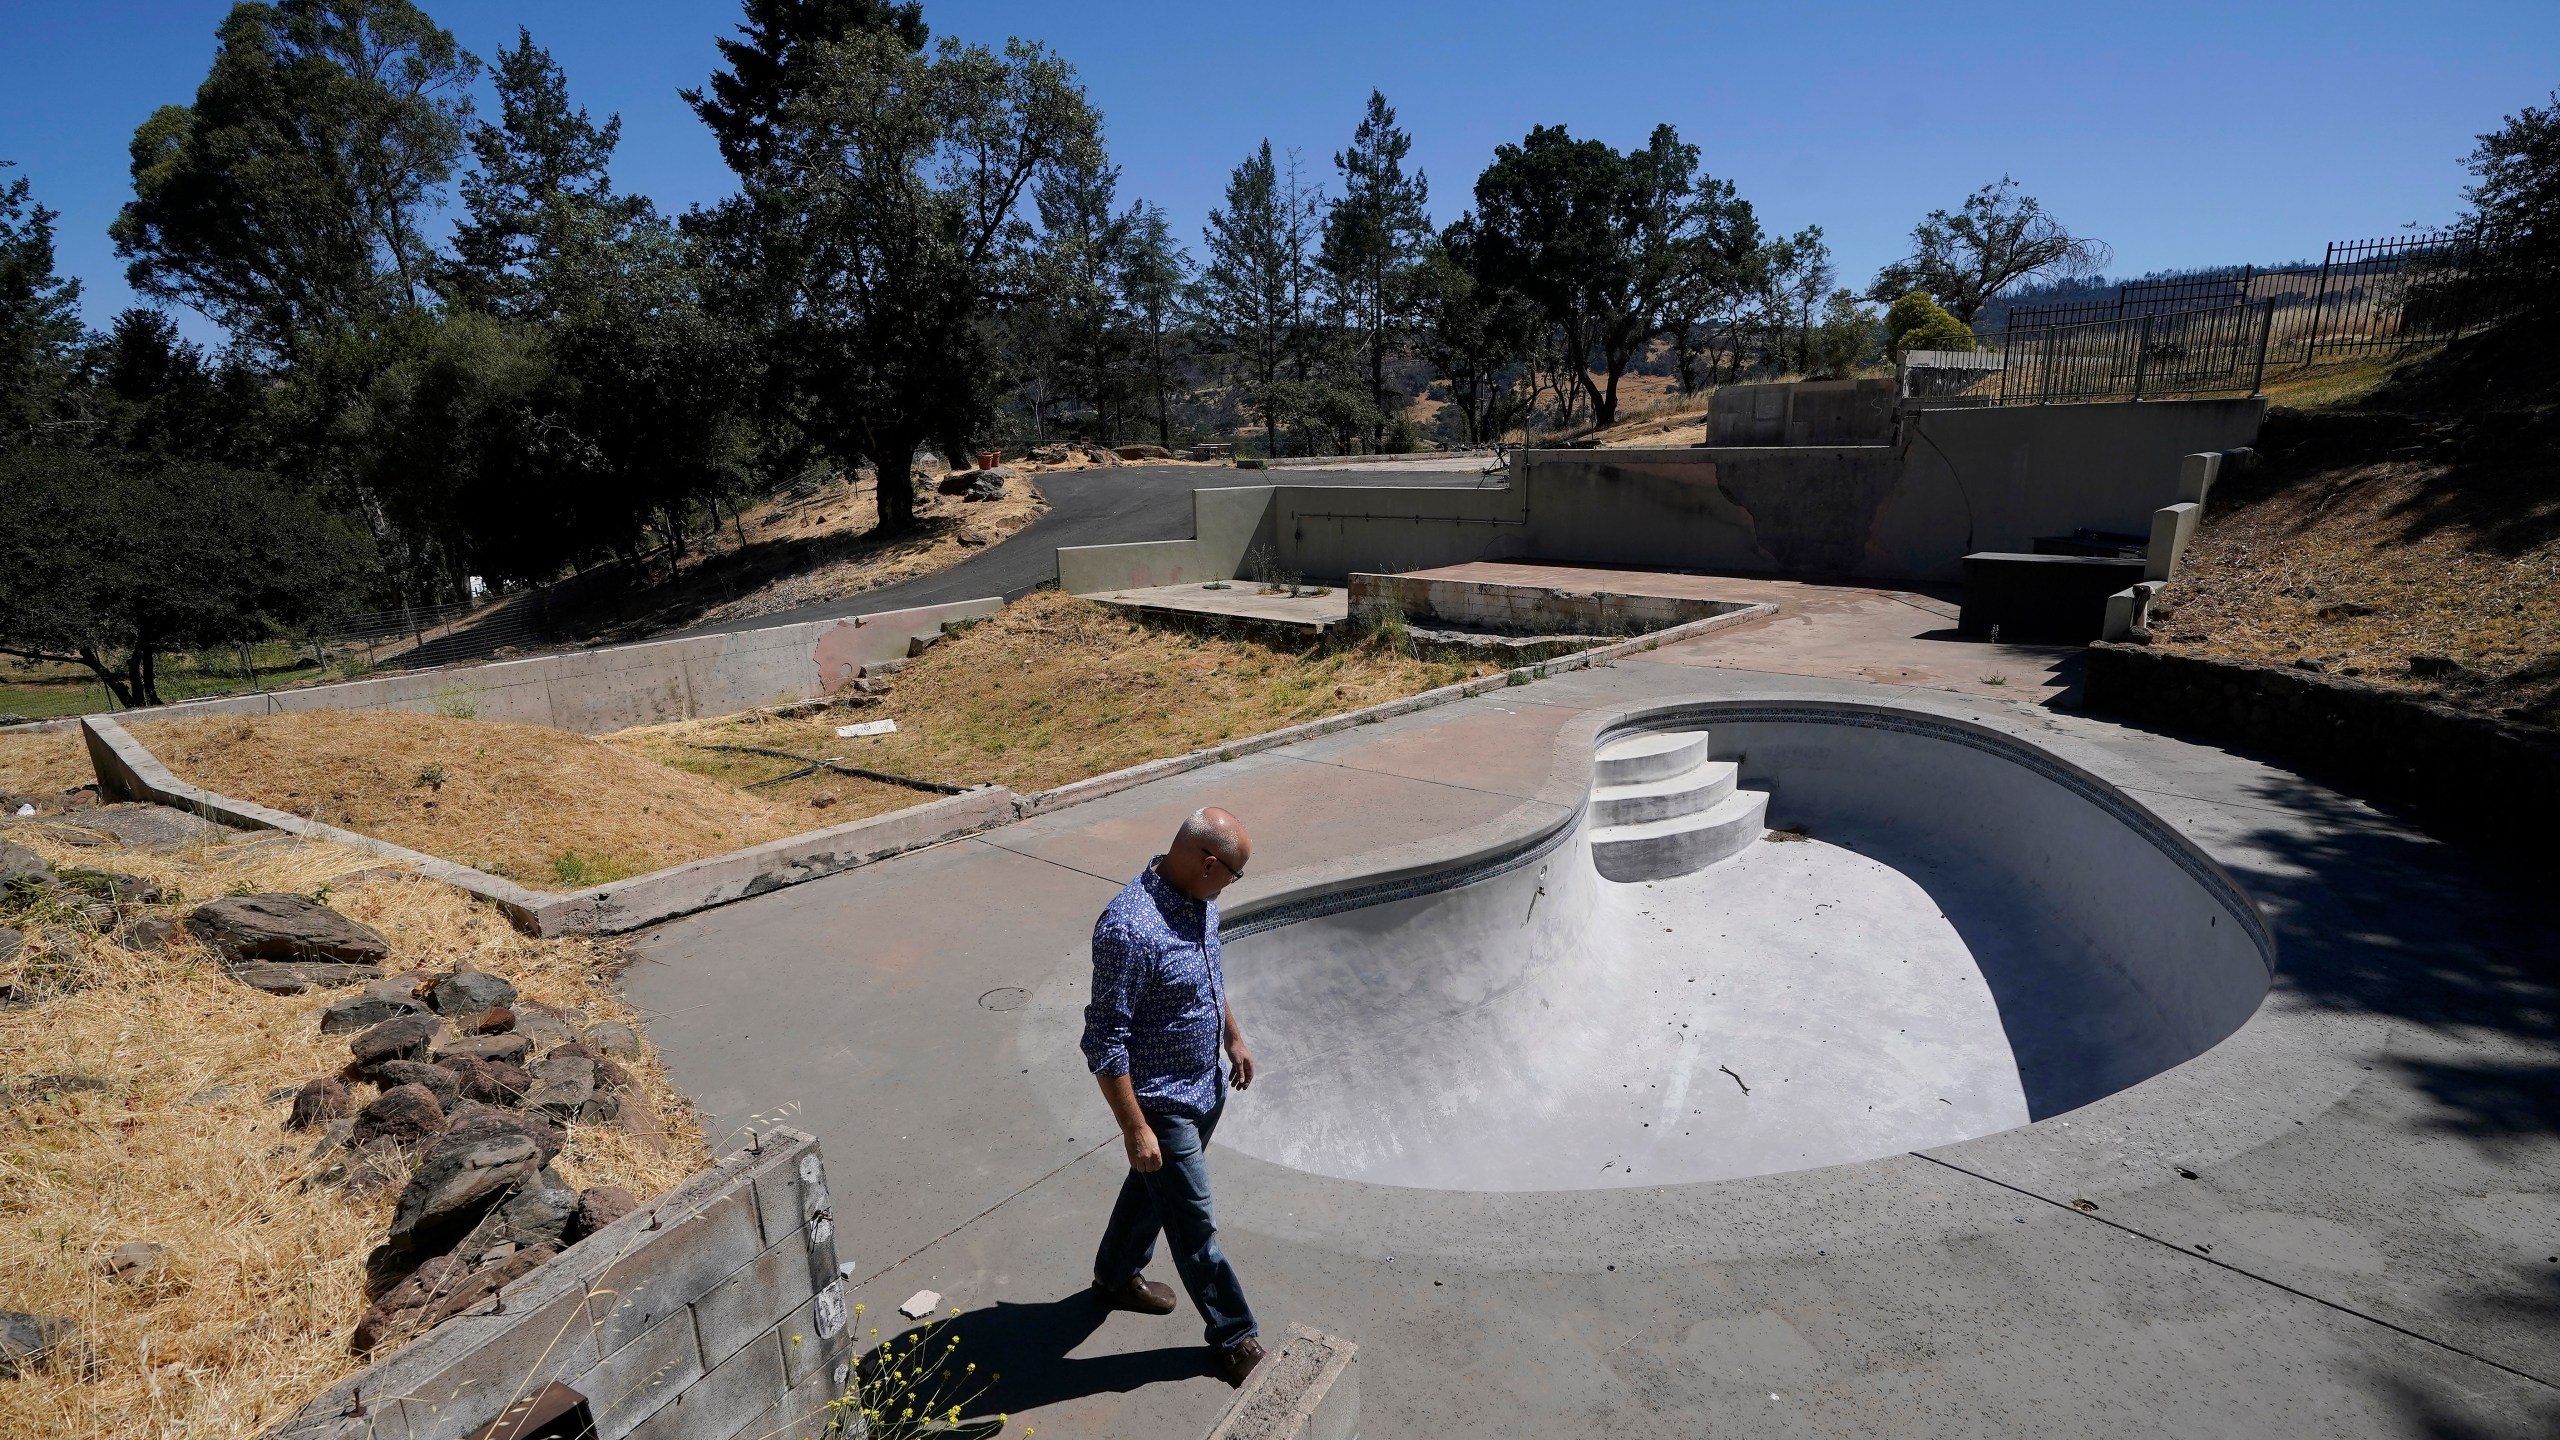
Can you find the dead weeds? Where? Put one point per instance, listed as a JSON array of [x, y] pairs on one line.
[[2364, 569], [183, 1147], [1054, 689], [37, 763], [543, 807]]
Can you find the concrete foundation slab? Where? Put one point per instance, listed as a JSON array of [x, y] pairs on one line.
[[2371, 1272]]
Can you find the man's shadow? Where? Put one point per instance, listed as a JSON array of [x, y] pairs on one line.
[[1026, 1347]]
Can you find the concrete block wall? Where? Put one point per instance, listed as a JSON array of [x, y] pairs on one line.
[[714, 1311], [595, 691]]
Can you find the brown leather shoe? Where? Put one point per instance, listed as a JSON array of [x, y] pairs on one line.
[[1145, 1296], [1236, 1363]]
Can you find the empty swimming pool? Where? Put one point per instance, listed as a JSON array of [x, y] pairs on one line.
[[1951, 932]]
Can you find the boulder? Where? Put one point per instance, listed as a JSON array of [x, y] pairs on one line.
[[23, 872], [539, 1214], [382, 1000], [286, 928], [298, 977], [403, 1114], [11, 942], [472, 1116], [469, 1169], [496, 1020], [29, 1343], [956, 483], [569, 1090], [470, 992], [444, 1084], [1144, 452], [508, 1047], [549, 1025], [151, 932], [320, 1102], [135, 1262], [406, 1038], [598, 1208], [609, 1076], [1098, 455], [389, 1321], [611, 1037]]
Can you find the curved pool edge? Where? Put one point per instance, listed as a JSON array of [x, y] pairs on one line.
[[1532, 830], [2283, 1068]]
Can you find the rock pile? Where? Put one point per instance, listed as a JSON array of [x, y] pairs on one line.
[[976, 484], [466, 1118]]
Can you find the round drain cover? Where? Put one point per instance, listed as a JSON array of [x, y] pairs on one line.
[[1004, 997]]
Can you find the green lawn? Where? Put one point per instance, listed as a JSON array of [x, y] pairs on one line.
[[41, 692]]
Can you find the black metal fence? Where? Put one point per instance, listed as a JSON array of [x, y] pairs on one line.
[[2222, 331]]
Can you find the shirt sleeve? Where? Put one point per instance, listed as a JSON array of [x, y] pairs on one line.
[[1116, 975]]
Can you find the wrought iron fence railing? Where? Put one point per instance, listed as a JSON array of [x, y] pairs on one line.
[[2221, 331]]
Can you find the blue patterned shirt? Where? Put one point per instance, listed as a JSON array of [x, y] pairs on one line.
[[1159, 1004]]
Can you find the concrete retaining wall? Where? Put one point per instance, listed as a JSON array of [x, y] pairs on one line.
[[128, 771], [1528, 609], [595, 691], [1804, 412], [1958, 481], [715, 1311], [2449, 765]]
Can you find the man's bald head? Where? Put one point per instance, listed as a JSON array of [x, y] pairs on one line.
[[1208, 853]]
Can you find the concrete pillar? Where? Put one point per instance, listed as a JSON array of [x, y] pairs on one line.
[[2196, 474], [2129, 613], [2172, 526]]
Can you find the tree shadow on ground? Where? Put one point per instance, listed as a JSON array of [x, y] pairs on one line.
[[1028, 1345], [2448, 935]]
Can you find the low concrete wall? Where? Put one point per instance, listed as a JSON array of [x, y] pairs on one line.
[[595, 691], [1227, 525], [2448, 765], [714, 1311], [1528, 609], [1958, 481], [1803, 412], [129, 771]]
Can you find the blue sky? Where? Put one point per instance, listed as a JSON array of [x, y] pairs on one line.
[[2182, 135]]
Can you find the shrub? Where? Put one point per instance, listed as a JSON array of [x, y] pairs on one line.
[[1917, 322]]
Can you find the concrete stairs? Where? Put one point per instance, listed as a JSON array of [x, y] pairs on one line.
[[1660, 807]]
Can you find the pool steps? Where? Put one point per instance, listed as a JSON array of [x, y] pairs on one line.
[[1660, 807]]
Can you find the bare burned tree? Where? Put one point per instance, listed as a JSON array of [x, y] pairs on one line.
[[1999, 237]]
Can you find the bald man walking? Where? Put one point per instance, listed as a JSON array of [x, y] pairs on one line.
[[1152, 1031]]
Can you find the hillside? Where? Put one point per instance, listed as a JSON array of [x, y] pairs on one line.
[[2407, 536]]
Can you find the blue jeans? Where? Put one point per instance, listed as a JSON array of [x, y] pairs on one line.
[[1175, 1200]]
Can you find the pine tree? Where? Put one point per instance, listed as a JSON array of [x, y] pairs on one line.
[[39, 313], [774, 63], [541, 202], [1254, 293], [1374, 237]]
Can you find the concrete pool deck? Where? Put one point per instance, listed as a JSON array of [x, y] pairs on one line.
[[2362, 1250]]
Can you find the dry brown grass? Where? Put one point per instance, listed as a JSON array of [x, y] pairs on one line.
[[539, 806], [842, 560], [1054, 689], [265, 1279], [43, 762], [2261, 577]]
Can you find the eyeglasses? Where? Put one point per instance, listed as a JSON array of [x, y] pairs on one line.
[[1234, 872]]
